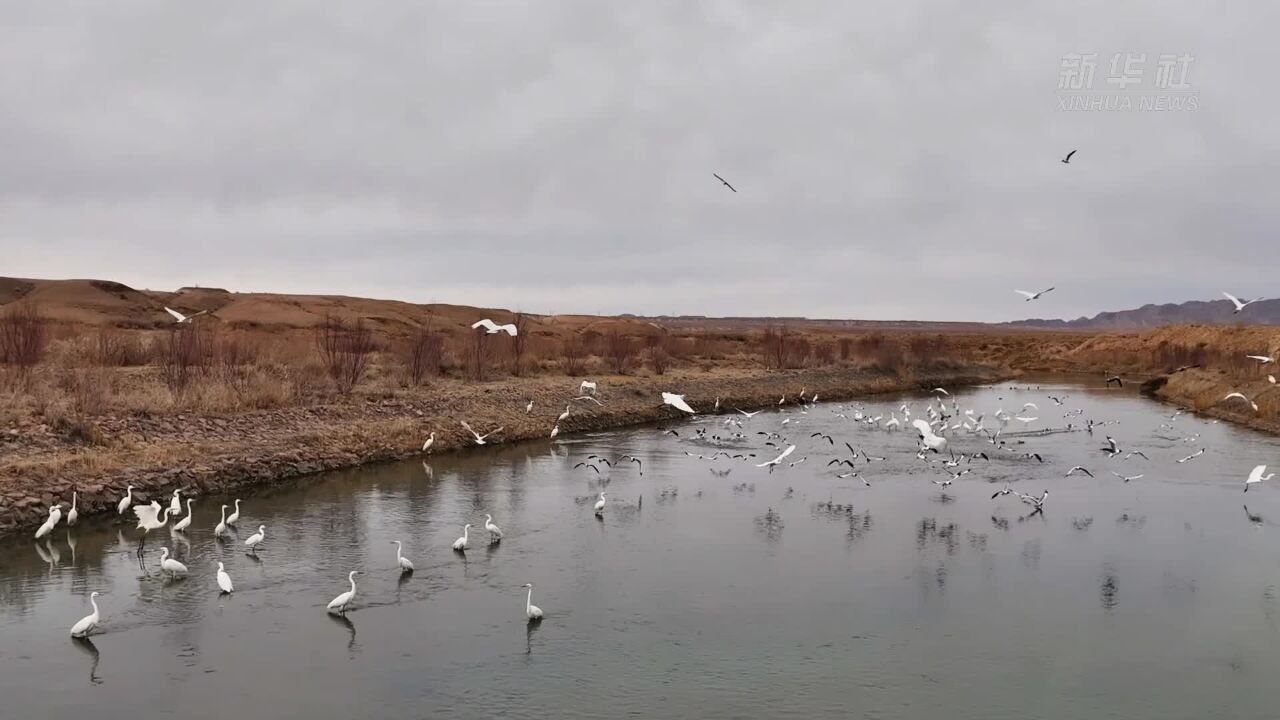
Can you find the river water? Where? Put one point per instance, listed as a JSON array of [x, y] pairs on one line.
[[699, 595]]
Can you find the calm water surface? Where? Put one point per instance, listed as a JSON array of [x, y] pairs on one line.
[[725, 597]]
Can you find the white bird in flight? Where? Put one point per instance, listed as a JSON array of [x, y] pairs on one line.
[[1127, 478], [774, 462], [179, 318], [1193, 455], [1252, 404], [676, 401], [1240, 304], [1256, 476], [480, 438], [1032, 295], [491, 327], [1264, 359]]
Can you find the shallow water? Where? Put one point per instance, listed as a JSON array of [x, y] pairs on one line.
[[1156, 598]]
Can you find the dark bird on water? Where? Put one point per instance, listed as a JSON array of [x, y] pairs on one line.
[[725, 182], [1067, 160]]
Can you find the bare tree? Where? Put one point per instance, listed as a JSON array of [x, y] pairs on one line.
[[774, 346], [22, 336], [519, 343], [183, 355], [478, 352], [659, 353], [575, 354], [423, 354], [345, 350], [621, 351]]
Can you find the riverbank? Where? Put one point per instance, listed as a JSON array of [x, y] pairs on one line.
[[1204, 392], [202, 453]]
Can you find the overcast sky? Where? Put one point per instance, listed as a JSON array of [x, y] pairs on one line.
[[893, 160]]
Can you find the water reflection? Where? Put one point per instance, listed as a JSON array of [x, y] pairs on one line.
[[86, 646]]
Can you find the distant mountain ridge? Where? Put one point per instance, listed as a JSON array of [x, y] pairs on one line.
[[1202, 312]]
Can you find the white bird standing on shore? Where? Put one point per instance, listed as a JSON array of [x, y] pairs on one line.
[[495, 533], [169, 565], [555, 430], [224, 580], [491, 327], [528, 408], [87, 623], [125, 501], [254, 540], [563, 415], [185, 522], [1240, 304], [676, 401], [73, 514], [179, 318], [461, 543], [1256, 476], [480, 438], [55, 514], [431, 440], [401, 560], [1032, 295], [341, 602], [531, 611], [233, 517]]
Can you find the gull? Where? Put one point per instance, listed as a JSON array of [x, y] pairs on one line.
[[480, 438], [1006, 491], [748, 414], [1256, 476], [1127, 478], [1240, 305], [491, 327], [179, 318], [1264, 359], [1032, 295], [1195, 454], [942, 483], [1113, 448], [1136, 452], [1037, 502], [1026, 419], [772, 463], [1078, 468], [1067, 160], [941, 391], [676, 401], [593, 467], [1252, 404], [634, 459], [724, 182]]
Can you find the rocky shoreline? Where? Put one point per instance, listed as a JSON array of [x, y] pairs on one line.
[[40, 465]]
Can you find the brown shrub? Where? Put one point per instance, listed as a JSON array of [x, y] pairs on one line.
[[23, 335], [344, 350], [422, 355], [184, 354], [575, 355], [621, 351]]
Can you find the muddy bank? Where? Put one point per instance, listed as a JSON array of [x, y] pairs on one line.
[[1203, 391], [40, 465]]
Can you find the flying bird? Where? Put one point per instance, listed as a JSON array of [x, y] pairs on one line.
[[1032, 295], [1256, 476], [1115, 379], [179, 318], [1067, 160], [725, 182], [1077, 469], [1252, 404], [1193, 455], [1128, 477], [1264, 359], [479, 438], [491, 327], [676, 401], [1240, 304], [774, 462]]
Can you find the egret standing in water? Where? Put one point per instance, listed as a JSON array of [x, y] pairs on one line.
[[149, 518], [429, 442], [255, 539], [73, 514], [531, 611], [125, 501], [55, 514], [495, 533], [461, 543], [233, 517], [600, 505], [175, 505], [87, 623], [224, 580], [185, 522], [340, 603], [221, 529], [401, 560], [169, 565]]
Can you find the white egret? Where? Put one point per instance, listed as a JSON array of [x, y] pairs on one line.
[[224, 580], [185, 522], [1032, 295], [431, 440], [774, 462], [73, 514], [149, 518], [256, 539], [495, 533], [1240, 304], [928, 439], [125, 501], [55, 514], [175, 505], [492, 328], [555, 431], [401, 560], [676, 401], [600, 505], [221, 529], [87, 623], [1256, 476], [563, 415], [179, 318], [480, 438], [1264, 359], [528, 408], [341, 602], [531, 611], [461, 543], [233, 517], [169, 565]]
